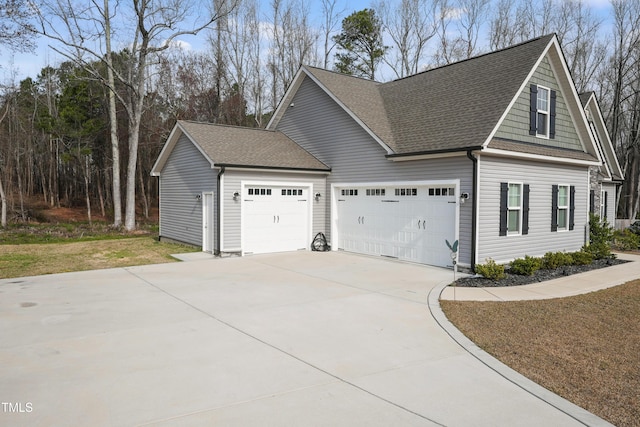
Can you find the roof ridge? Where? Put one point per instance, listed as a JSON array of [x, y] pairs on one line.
[[198, 122], [338, 73]]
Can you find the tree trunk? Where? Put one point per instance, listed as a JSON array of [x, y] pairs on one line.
[[3, 202], [113, 121], [145, 201], [134, 132], [101, 196], [86, 188]]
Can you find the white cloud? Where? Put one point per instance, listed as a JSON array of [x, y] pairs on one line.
[[179, 45]]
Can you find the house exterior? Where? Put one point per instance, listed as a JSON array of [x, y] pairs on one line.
[[498, 152], [607, 178]]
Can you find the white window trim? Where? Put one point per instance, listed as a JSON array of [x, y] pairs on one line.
[[519, 209], [566, 207], [547, 113]]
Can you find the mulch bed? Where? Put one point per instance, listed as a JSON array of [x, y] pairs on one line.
[[539, 276]]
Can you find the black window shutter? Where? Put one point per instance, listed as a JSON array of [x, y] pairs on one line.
[[504, 190], [572, 206], [606, 197], [525, 209], [533, 109], [592, 201], [554, 208], [552, 116]]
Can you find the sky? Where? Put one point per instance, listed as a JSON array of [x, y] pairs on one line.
[[17, 66]]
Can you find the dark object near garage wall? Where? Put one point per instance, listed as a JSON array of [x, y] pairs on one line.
[[320, 243]]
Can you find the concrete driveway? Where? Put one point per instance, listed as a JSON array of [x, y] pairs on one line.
[[296, 339]]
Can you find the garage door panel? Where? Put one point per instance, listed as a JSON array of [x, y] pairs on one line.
[[407, 222], [275, 219]]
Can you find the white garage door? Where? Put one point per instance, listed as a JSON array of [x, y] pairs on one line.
[[405, 222], [275, 218]]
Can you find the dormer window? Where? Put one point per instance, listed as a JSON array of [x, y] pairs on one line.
[[542, 118]]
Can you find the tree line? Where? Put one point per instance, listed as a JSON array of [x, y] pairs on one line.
[[88, 130]]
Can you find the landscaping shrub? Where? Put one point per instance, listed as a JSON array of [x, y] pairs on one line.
[[491, 270], [625, 240], [553, 260], [600, 238], [525, 266], [582, 258]]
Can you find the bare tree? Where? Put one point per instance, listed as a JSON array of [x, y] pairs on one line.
[[3, 196], [509, 24], [293, 43], [257, 85], [113, 119], [331, 20], [15, 34], [79, 30], [411, 25], [15, 28], [622, 99], [578, 34], [467, 17]]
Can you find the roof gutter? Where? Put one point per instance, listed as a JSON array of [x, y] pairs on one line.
[[273, 168], [474, 211], [434, 152]]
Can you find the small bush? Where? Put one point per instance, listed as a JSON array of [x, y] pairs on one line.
[[635, 227], [553, 260], [626, 240], [491, 270], [582, 258], [599, 250], [600, 238], [525, 266]]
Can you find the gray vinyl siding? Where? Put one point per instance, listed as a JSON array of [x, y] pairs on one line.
[[185, 174], [611, 202], [541, 239], [516, 124], [324, 129], [232, 208]]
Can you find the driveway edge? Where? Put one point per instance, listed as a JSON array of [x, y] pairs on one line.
[[581, 415]]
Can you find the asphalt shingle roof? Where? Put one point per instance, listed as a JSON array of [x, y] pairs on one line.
[[453, 107], [241, 146]]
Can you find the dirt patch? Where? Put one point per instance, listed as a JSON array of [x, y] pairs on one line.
[[584, 348]]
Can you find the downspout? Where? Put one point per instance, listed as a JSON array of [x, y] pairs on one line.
[[218, 221], [474, 215]]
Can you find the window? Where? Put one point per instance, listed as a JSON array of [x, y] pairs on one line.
[[349, 191], [375, 191], [291, 192], [563, 207], [514, 209], [514, 206], [259, 191], [445, 191], [542, 118], [604, 205], [406, 191]]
